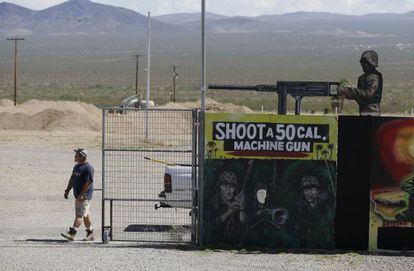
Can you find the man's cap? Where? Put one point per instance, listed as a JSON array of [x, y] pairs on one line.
[[308, 182], [82, 152]]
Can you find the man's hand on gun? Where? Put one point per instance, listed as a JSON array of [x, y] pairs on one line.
[[341, 90]]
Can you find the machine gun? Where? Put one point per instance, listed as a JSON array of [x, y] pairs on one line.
[[297, 89]]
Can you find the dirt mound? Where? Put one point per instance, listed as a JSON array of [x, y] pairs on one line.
[[51, 116], [79, 116], [6, 103], [211, 105]]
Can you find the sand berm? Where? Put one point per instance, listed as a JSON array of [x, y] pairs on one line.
[[71, 115]]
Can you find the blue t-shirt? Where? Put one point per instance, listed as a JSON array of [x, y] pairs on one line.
[[81, 174]]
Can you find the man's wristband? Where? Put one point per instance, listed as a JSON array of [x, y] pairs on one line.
[[66, 190]]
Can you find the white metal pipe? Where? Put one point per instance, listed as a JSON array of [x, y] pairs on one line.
[[203, 55], [148, 74], [201, 150]]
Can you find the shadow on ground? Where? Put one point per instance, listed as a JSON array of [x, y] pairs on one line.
[[190, 247], [47, 241]]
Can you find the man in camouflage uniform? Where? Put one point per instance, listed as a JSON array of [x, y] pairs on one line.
[[225, 217], [313, 217], [369, 90]]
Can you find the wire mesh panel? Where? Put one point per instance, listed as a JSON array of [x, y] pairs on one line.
[[140, 148]]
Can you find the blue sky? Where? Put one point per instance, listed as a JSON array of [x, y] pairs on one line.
[[246, 7]]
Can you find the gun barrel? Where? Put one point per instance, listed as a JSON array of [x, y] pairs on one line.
[[233, 87], [306, 88], [307, 83]]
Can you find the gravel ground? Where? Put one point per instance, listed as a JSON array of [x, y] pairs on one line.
[[34, 171]]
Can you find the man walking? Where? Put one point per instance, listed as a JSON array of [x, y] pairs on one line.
[[82, 183]]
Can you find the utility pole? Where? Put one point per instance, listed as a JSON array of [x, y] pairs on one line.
[[15, 39], [136, 73], [174, 77]]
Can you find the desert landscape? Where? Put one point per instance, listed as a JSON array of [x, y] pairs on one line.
[[78, 59]]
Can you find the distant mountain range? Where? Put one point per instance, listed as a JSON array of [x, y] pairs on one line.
[[86, 17], [310, 23], [75, 17]]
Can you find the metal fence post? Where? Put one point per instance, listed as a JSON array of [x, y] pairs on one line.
[[103, 174], [195, 210], [110, 218], [201, 121]]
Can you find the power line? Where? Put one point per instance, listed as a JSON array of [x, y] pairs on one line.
[[15, 40]]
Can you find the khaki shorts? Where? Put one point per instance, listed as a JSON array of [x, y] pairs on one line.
[[82, 208]]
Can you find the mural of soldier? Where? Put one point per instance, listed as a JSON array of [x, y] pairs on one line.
[[369, 91], [226, 212], [269, 203], [312, 215]]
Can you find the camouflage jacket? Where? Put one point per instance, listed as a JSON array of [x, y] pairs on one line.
[[367, 94]]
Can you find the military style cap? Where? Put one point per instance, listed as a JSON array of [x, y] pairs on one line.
[[371, 57], [228, 177], [309, 181]]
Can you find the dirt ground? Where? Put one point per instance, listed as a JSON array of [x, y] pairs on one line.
[[34, 169]]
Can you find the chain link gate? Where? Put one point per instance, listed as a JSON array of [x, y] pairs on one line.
[[140, 202]]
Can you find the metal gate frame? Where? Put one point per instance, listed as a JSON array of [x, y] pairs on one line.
[[195, 211]]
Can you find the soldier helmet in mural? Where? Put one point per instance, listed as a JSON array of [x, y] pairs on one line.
[[308, 182], [228, 177], [370, 57]]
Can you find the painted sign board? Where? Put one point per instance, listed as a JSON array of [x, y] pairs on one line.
[[270, 180]]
